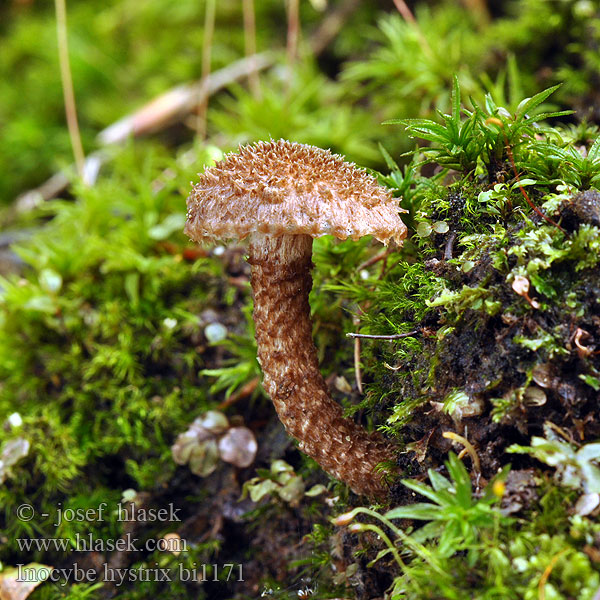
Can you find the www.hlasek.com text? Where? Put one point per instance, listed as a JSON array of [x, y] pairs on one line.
[[87, 543]]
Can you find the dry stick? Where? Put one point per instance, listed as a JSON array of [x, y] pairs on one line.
[[357, 371], [209, 29], [374, 259], [53, 186], [409, 18], [67, 85], [480, 9], [293, 28], [250, 45], [357, 336], [246, 390], [331, 25], [394, 336], [546, 574], [178, 102], [170, 107], [468, 447], [525, 195], [449, 246]]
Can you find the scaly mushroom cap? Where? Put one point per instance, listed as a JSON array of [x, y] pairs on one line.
[[283, 188]]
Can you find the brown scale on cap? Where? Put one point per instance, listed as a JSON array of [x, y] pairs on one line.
[[283, 187], [281, 195]]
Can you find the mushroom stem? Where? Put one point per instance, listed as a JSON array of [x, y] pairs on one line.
[[281, 282]]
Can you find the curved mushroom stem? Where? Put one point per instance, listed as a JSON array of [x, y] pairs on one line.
[[281, 282]]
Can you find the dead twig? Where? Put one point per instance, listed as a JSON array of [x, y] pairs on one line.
[[468, 448], [67, 85], [246, 390], [357, 371], [511, 158], [448, 250], [180, 101], [60, 181], [374, 259], [331, 25], [410, 19], [293, 33], [173, 106], [168, 108], [209, 28], [250, 45], [394, 336], [546, 574]]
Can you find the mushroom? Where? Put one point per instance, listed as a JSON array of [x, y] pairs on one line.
[[281, 195]]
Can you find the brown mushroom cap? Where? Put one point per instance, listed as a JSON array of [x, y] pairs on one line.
[[283, 187]]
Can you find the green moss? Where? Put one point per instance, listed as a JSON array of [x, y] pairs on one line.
[[97, 352], [102, 350]]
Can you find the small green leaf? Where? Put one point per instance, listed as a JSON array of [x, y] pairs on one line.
[[425, 490], [424, 229], [41, 303], [438, 481], [547, 115], [131, 283], [262, 489], [50, 280], [389, 161], [529, 104], [594, 151], [420, 510], [450, 539], [593, 382], [293, 490], [170, 225], [589, 452], [461, 478], [542, 286], [381, 554], [455, 99], [280, 466], [315, 490]]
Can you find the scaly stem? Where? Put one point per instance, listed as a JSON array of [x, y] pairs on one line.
[[281, 282]]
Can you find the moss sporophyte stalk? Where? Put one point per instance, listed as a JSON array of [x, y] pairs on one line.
[[281, 195]]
